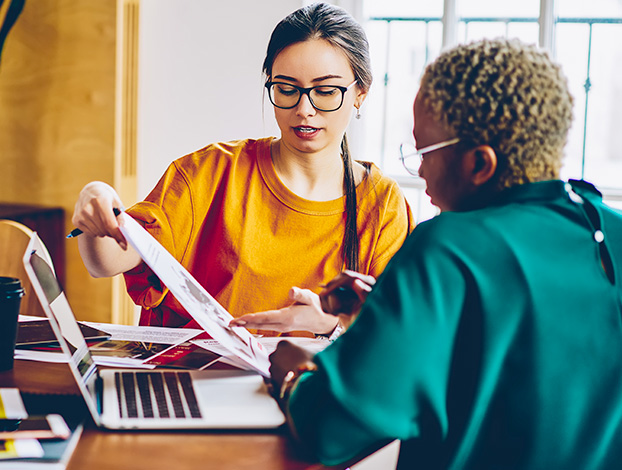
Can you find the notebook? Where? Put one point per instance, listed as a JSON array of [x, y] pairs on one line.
[[149, 399]]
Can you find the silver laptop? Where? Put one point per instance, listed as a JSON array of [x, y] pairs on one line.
[[149, 399]]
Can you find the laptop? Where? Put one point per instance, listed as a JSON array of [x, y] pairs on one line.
[[149, 399]]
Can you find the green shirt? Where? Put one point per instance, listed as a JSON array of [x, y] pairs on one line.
[[492, 340]]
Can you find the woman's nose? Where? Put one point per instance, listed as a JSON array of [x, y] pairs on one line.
[[305, 108]]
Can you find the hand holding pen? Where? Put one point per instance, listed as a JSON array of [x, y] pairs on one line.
[[76, 231], [96, 212]]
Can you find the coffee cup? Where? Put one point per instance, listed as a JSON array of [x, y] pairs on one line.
[[11, 293]]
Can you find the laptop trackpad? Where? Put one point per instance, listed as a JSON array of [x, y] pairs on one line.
[[236, 399]]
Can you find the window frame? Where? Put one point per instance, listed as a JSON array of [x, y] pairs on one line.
[[450, 21]]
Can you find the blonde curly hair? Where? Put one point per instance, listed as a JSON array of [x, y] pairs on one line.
[[508, 95]]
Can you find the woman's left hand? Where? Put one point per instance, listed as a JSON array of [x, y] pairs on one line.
[[304, 314]]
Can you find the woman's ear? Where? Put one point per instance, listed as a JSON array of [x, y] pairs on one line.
[[358, 102], [481, 164]]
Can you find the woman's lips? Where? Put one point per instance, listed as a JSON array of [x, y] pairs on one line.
[[306, 132]]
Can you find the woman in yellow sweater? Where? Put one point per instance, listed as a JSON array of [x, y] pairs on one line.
[[251, 218]]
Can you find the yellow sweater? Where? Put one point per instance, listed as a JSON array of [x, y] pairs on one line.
[[225, 215]]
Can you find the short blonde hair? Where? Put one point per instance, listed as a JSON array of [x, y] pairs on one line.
[[508, 95]]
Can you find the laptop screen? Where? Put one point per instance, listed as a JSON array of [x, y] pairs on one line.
[[55, 304]]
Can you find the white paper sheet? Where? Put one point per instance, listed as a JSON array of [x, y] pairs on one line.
[[313, 345], [205, 310], [146, 334]]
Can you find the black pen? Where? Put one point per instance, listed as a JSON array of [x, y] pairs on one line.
[[76, 231]]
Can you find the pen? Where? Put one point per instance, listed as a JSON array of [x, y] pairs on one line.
[[76, 231]]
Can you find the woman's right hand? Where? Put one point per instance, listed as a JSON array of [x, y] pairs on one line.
[[94, 215], [103, 247]]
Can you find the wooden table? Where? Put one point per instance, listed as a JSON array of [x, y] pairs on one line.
[[51, 388]]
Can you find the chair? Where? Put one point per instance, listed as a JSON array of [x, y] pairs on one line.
[[14, 238]]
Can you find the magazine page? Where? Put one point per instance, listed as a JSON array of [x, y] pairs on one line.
[[205, 310], [124, 346]]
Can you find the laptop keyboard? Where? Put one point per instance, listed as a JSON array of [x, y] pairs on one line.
[[156, 395]]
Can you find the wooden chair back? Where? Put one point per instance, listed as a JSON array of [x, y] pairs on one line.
[[14, 238]]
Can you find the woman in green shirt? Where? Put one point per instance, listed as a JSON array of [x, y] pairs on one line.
[[493, 339]]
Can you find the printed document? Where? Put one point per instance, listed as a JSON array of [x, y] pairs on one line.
[[241, 346]]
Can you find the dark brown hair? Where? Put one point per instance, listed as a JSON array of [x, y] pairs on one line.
[[335, 25]]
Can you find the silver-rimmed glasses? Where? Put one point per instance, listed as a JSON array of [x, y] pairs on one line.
[[408, 151], [323, 97]]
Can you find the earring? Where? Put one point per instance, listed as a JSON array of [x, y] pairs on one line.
[[358, 113]]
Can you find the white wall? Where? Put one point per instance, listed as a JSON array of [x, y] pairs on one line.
[[200, 77]]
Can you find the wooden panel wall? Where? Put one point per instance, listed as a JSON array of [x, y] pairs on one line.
[[124, 310], [57, 119]]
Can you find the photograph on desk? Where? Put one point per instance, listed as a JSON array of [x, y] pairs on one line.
[[127, 349], [150, 399], [107, 352], [185, 356], [39, 331], [36, 339], [117, 345], [131, 354]]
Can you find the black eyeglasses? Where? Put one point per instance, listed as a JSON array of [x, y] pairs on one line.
[[323, 97]]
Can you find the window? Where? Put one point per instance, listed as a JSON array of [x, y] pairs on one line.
[[582, 36]]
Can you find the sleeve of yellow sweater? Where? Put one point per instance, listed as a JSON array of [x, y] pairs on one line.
[[396, 223], [167, 214]]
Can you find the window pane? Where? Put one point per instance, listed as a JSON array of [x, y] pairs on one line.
[[474, 30], [588, 9], [399, 53], [593, 146], [399, 8], [498, 19], [498, 9]]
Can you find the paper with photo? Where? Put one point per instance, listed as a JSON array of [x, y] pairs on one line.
[[203, 308], [185, 356], [127, 346]]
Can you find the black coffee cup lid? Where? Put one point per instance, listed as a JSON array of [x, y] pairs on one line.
[[10, 285]]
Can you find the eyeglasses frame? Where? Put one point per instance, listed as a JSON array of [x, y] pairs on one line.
[[307, 91], [421, 152]]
